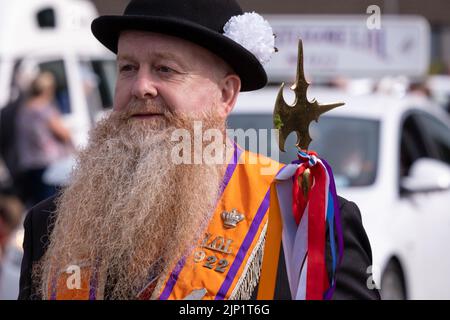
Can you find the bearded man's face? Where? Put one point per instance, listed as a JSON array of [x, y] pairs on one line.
[[172, 72], [129, 209]]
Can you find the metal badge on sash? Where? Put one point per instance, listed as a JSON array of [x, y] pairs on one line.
[[231, 219]]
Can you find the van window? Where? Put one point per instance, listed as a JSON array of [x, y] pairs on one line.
[[351, 147], [46, 18], [57, 68], [105, 70], [412, 145], [439, 135], [98, 78]]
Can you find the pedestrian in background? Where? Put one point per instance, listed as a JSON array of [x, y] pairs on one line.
[[42, 138]]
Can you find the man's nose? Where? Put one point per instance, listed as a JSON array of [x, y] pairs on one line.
[[144, 86]]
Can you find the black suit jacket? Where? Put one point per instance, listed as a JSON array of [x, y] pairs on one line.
[[351, 277]]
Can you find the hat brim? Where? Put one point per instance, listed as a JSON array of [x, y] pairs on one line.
[[253, 76]]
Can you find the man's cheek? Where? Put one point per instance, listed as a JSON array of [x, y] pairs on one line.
[[121, 99]]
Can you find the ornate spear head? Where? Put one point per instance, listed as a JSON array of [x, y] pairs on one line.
[[298, 117]]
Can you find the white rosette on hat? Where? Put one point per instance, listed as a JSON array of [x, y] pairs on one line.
[[254, 33]]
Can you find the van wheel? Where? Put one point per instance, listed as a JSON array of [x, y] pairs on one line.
[[392, 283]]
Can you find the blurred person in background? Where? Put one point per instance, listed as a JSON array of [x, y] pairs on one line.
[[11, 211], [420, 89], [42, 138], [8, 146]]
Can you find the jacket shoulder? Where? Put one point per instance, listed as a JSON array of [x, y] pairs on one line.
[[352, 275], [38, 224]]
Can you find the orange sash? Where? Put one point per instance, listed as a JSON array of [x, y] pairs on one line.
[[221, 271]]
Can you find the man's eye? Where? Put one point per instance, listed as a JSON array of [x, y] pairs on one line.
[[164, 69], [126, 67]]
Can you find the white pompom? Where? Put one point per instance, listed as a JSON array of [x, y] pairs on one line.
[[252, 32]]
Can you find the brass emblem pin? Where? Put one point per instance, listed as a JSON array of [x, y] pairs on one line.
[[231, 219]]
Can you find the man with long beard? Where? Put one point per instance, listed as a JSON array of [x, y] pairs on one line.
[[134, 223]]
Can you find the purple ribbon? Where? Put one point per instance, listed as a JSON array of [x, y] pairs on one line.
[[337, 213]]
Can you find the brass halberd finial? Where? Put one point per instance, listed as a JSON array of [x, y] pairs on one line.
[[299, 116]]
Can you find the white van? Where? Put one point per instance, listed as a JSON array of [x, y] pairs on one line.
[[54, 35]]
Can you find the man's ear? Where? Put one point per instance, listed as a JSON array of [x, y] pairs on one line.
[[230, 86]]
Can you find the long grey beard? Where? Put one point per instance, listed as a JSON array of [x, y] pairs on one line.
[[130, 207]]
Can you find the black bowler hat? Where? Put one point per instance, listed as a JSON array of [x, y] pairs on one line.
[[198, 21]]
